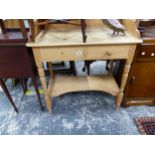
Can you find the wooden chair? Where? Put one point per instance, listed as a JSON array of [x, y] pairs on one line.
[[16, 59], [43, 23], [40, 24]]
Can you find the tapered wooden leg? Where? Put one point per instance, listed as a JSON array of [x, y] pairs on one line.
[[119, 100], [47, 97], [8, 94], [37, 92], [125, 76], [123, 82]]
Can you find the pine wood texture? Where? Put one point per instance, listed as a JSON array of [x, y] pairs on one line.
[[11, 23], [96, 34], [66, 44], [66, 84], [85, 53]]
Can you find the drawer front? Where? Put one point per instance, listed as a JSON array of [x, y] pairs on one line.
[[147, 51], [65, 53], [107, 52]]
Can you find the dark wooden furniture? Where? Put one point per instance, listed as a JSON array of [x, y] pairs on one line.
[[140, 87], [16, 61]]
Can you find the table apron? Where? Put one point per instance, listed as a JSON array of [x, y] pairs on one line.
[[84, 53]]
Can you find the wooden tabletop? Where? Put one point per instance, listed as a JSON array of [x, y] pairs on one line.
[[98, 34]]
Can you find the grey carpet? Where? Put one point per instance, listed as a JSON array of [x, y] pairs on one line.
[[82, 113]]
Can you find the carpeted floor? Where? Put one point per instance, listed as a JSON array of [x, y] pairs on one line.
[[75, 113]]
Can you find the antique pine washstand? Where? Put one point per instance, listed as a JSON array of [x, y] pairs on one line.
[[61, 44]]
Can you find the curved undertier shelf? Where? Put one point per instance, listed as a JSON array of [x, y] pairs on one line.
[[66, 84]]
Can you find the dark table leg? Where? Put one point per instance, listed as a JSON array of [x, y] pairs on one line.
[[87, 65], [7, 94], [37, 91], [83, 29], [72, 66], [24, 84]]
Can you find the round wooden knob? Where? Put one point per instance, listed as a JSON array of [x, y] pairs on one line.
[[152, 54], [108, 53], [132, 80], [143, 53]]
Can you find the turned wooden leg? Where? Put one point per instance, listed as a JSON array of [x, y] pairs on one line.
[[119, 100], [123, 82], [8, 94], [41, 72], [47, 96], [48, 101], [125, 76], [37, 92]]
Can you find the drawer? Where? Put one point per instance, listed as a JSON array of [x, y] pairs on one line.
[[64, 53], [107, 52], [147, 51]]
